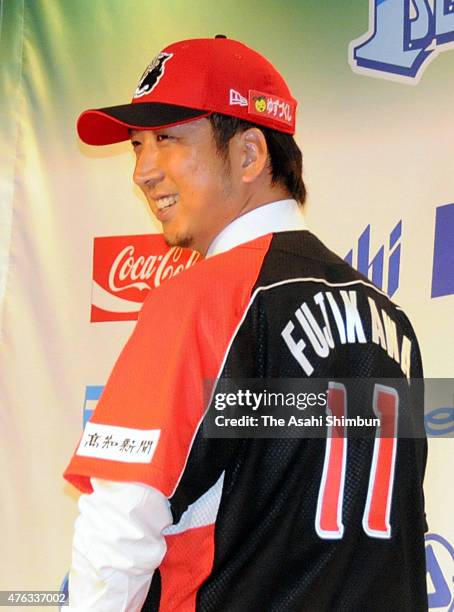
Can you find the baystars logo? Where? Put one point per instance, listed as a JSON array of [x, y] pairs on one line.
[[404, 36], [152, 75]]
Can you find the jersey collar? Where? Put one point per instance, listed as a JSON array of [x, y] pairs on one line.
[[280, 216]]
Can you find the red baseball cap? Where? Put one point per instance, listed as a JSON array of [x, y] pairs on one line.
[[192, 79]]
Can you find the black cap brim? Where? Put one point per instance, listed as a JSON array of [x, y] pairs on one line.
[[103, 126]]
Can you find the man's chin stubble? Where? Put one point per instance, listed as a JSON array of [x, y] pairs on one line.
[[185, 241]]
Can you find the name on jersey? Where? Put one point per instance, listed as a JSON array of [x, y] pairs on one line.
[[304, 330]]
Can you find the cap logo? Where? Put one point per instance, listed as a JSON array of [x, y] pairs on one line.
[[152, 75], [237, 99], [270, 106], [260, 104]]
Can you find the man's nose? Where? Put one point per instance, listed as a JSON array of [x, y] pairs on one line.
[[147, 171]]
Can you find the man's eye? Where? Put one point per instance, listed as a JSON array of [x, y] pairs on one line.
[[135, 143], [161, 137]]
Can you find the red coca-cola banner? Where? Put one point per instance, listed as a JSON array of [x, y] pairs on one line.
[[125, 268]]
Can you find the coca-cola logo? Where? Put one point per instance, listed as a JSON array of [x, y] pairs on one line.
[[125, 268]]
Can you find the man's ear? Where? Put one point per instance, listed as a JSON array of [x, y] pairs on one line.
[[253, 154]]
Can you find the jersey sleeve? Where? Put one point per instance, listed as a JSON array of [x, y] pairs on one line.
[[156, 396]]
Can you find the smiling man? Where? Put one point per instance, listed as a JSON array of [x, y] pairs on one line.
[[192, 190], [174, 517]]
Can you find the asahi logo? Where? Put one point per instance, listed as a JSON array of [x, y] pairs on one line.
[[125, 268], [383, 268]]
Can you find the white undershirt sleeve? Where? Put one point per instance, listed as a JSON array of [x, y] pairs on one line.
[[117, 545]]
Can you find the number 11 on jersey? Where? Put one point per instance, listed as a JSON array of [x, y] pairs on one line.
[[328, 522]]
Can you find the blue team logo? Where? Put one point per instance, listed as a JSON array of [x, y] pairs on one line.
[[92, 395], [403, 37], [440, 573], [383, 268], [443, 263]]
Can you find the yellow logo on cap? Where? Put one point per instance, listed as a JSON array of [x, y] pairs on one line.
[[260, 104]]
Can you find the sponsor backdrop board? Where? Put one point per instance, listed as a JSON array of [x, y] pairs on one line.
[[78, 250]]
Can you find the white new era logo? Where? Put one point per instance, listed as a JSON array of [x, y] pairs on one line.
[[237, 98]]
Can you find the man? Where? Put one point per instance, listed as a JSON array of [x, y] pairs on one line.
[[243, 523]]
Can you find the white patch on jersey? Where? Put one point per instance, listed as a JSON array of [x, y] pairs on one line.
[[202, 512], [118, 443], [237, 99]]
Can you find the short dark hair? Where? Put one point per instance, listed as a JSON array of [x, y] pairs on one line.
[[286, 160]]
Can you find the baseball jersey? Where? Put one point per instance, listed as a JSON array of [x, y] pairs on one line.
[[272, 524]]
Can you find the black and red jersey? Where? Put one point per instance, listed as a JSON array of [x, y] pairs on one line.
[[269, 524]]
